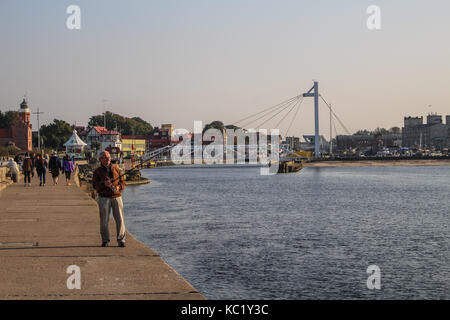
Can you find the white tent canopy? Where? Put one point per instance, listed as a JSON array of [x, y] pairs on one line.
[[75, 144]]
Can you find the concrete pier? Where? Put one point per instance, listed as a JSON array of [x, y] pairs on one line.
[[44, 230]]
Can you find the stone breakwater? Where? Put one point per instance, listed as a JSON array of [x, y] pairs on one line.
[[5, 178], [56, 229]]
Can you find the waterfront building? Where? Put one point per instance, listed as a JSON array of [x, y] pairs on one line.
[[369, 142], [155, 139], [412, 132], [169, 128], [104, 137], [357, 141], [20, 133], [309, 144], [138, 143], [433, 134], [447, 122], [293, 143], [158, 138]]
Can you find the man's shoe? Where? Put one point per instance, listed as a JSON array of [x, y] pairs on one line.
[[121, 244], [105, 244]]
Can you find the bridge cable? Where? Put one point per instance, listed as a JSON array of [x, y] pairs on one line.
[[283, 107], [267, 109], [295, 104], [335, 130], [334, 114], [293, 119], [289, 105]]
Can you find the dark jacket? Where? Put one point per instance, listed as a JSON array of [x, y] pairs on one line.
[[41, 165], [54, 164], [34, 160], [27, 165], [101, 175]]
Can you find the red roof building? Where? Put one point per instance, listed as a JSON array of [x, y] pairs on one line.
[[104, 137]]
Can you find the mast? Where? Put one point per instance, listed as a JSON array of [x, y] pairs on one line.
[[331, 134], [39, 127]]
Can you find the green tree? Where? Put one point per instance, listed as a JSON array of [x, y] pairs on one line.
[[362, 133], [124, 125], [35, 143], [8, 151], [8, 118], [382, 131], [214, 125], [231, 127], [56, 134], [395, 130]]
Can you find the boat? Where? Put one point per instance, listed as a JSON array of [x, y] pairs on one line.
[[290, 166]]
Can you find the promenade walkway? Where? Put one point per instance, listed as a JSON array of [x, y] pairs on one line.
[[44, 230]]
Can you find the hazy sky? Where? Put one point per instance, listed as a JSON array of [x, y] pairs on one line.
[[180, 61]]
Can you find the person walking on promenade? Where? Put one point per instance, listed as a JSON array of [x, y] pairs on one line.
[[109, 184], [61, 163], [41, 169], [54, 165], [68, 168], [27, 166], [33, 161]]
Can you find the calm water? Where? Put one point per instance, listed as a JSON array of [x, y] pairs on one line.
[[234, 234]]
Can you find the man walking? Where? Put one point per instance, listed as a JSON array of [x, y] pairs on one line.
[[54, 167], [27, 167], [109, 184], [33, 161]]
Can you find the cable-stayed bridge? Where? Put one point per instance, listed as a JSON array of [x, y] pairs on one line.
[[284, 112]]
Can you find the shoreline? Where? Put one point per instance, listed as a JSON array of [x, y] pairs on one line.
[[377, 163], [138, 182]]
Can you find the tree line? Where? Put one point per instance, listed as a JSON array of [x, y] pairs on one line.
[[124, 125], [377, 131]]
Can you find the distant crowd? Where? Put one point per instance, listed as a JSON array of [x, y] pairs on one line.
[[31, 164]]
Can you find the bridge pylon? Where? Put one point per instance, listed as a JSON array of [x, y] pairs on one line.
[[314, 92]]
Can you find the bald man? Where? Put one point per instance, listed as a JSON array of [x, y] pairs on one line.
[[109, 184]]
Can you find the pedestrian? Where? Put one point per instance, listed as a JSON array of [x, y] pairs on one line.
[[41, 169], [33, 161], [68, 168], [54, 165], [27, 166], [12, 165], [61, 164], [109, 184]]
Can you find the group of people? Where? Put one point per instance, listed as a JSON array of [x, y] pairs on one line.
[[107, 180], [41, 163]]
